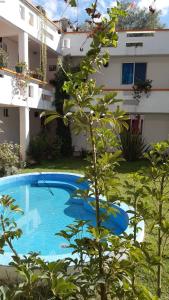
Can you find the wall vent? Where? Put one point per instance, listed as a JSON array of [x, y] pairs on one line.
[[140, 34], [138, 44]]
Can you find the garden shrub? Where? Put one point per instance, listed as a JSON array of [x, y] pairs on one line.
[[133, 146], [43, 146], [9, 158]]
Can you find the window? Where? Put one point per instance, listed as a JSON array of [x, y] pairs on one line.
[[6, 113], [52, 68], [133, 72], [48, 35], [31, 19], [22, 12], [36, 114], [66, 43], [31, 91], [138, 44]]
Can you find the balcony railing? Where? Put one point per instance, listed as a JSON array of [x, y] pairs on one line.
[[19, 89]]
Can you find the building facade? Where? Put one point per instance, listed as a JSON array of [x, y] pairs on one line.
[[140, 55], [23, 30]]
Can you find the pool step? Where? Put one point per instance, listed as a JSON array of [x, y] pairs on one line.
[[50, 184]]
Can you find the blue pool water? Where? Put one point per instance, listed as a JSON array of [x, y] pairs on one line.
[[49, 207]]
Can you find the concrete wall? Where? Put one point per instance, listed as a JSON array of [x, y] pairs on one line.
[[12, 49], [157, 71], [10, 125], [35, 122], [152, 45], [155, 127]]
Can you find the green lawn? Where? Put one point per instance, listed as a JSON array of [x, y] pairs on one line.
[[77, 165], [74, 165]]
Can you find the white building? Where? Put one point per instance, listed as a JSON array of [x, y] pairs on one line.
[[22, 31], [139, 53], [23, 28]]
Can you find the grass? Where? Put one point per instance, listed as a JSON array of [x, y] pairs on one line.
[[77, 165], [73, 165]]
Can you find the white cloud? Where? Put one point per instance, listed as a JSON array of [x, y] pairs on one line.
[[162, 5]]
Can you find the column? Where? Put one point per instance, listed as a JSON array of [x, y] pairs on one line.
[[24, 130], [23, 47]]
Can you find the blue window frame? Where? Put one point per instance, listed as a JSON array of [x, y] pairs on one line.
[[133, 72], [127, 73]]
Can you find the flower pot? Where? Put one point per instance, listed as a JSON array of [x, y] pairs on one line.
[[19, 69], [37, 76], [2, 65]]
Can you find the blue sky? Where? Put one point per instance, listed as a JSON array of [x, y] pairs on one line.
[[58, 8]]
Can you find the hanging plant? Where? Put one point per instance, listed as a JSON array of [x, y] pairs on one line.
[[3, 58], [19, 84], [43, 47], [142, 87]]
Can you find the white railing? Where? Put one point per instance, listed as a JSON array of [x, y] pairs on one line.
[[157, 101], [15, 90]]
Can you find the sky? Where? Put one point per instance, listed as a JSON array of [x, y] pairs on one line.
[[57, 9]]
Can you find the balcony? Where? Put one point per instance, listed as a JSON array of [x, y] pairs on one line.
[[16, 90], [156, 102], [25, 16]]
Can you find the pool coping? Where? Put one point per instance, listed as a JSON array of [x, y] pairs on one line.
[[49, 258]]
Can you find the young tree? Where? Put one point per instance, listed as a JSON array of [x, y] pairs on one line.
[[157, 185], [89, 111]]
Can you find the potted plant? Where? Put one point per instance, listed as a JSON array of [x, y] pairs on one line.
[[3, 58], [142, 87], [20, 67], [38, 74]]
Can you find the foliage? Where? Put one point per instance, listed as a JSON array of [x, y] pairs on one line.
[[3, 58], [63, 131], [157, 185], [142, 87], [42, 146], [132, 146], [43, 45], [138, 18], [9, 158], [38, 74]]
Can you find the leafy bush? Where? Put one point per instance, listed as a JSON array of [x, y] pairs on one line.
[[42, 147], [9, 158], [132, 146]]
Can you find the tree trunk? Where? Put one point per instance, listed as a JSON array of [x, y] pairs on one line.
[[103, 294]]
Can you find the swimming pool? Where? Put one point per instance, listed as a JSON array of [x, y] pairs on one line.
[[48, 205]]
